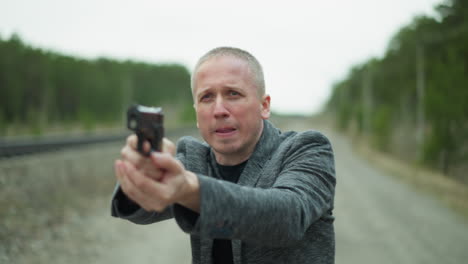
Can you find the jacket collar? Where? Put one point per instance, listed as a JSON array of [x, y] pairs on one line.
[[265, 147], [263, 150]]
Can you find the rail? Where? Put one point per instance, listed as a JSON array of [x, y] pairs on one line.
[[11, 148]]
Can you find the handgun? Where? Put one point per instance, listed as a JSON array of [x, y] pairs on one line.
[[147, 123]]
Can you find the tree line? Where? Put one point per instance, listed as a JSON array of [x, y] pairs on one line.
[[413, 101], [40, 88]]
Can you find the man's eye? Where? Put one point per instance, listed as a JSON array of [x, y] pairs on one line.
[[205, 97], [233, 93]]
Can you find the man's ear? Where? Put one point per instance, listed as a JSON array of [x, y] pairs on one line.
[[265, 111]]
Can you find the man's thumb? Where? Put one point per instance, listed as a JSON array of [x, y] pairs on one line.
[[165, 161]]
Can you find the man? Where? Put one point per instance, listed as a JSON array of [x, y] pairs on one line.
[[250, 194]]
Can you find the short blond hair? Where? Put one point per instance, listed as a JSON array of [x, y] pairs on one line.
[[253, 64]]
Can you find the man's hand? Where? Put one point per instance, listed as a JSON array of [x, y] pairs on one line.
[[157, 181], [144, 164]]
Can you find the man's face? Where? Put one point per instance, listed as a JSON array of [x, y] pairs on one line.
[[229, 110]]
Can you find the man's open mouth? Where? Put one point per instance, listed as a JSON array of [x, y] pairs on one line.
[[225, 130]]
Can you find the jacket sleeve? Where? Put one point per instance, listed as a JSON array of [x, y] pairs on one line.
[[278, 216], [123, 207]]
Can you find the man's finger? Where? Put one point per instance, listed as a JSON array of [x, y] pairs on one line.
[[149, 191], [146, 146], [139, 180], [167, 162], [168, 147], [132, 141], [129, 154], [132, 191]]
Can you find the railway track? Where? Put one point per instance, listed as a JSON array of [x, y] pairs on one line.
[[11, 148]]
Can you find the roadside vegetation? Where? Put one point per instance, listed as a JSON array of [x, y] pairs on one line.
[[43, 91], [412, 102]]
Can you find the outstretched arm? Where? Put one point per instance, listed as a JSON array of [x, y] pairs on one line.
[[280, 215]]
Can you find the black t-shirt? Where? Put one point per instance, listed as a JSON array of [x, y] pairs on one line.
[[222, 248]]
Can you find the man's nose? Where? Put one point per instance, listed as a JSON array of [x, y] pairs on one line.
[[220, 110]]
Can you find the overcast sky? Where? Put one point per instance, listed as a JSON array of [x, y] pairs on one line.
[[304, 46]]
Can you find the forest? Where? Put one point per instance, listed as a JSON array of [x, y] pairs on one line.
[[413, 101], [41, 89]]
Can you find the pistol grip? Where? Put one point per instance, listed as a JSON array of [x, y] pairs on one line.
[[141, 140]]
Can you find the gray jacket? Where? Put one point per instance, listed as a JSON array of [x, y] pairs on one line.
[[280, 211]]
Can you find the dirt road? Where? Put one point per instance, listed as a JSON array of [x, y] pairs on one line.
[[378, 220], [381, 220]]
